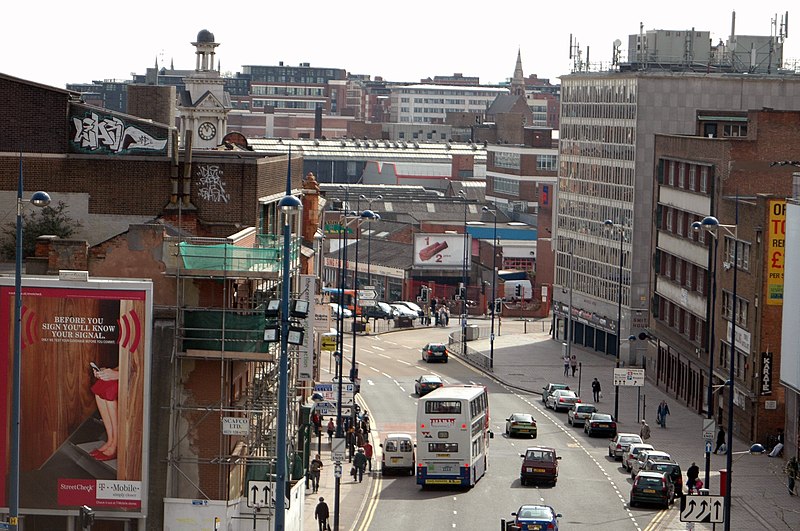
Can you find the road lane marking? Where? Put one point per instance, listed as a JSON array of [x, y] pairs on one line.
[[376, 347], [405, 362], [370, 382], [384, 356]]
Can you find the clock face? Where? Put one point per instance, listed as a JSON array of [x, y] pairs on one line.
[[207, 131]]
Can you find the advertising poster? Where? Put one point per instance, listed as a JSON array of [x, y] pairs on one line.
[[775, 246], [84, 393], [441, 251]]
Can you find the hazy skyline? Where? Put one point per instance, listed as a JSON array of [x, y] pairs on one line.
[[56, 43]]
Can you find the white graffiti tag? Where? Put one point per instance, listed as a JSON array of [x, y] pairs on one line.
[[210, 186], [110, 133]]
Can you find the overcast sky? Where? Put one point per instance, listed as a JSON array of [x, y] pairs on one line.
[[66, 42]]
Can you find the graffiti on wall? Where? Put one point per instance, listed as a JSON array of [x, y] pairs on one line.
[[210, 185], [95, 133]]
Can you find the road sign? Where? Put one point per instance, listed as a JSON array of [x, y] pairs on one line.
[[629, 377], [708, 447], [328, 342], [330, 392], [259, 494], [338, 449], [367, 294], [337, 470], [329, 408], [706, 509], [367, 302], [709, 429]]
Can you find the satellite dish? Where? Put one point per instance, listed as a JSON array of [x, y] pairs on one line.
[[617, 43]]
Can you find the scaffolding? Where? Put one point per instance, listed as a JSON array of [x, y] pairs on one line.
[[224, 373]]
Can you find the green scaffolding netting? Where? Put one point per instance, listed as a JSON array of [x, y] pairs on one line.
[[227, 257], [203, 330]]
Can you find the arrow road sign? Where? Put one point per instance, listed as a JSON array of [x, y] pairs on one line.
[[708, 447], [259, 494], [367, 294], [706, 509]]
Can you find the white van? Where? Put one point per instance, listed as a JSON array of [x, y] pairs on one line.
[[398, 453]]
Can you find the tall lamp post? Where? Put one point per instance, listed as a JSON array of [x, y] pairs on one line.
[[494, 284], [464, 280], [711, 321], [289, 206], [41, 200], [620, 229], [712, 224]]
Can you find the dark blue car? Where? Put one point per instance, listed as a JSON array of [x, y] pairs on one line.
[[536, 518]]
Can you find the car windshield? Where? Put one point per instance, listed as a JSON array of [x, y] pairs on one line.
[[429, 379], [648, 481], [539, 455], [542, 513]]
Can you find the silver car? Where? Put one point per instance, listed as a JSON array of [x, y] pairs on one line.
[[620, 442], [579, 413], [630, 454], [562, 399], [645, 455]]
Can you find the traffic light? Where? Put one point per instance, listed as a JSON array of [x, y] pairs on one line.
[[424, 294], [498, 306], [518, 290], [85, 517]]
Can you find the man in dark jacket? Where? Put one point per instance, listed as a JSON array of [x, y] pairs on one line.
[[692, 473], [360, 464], [321, 514]]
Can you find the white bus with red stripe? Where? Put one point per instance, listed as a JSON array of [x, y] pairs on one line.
[[453, 436]]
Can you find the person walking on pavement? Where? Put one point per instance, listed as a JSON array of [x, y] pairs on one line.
[[368, 453], [331, 429], [573, 363], [566, 365], [321, 514], [777, 450], [720, 439], [359, 463], [596, 390], [644, 433], [315, 468], [791, 474], [692, 473], [663, 411]]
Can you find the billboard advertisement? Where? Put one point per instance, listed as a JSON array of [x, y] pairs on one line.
[[85, 375], [440, 251], [775, 247]]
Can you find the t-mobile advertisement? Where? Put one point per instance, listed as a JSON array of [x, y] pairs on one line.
[[85, 357]]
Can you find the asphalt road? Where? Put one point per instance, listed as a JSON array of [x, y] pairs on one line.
[[592, 490]]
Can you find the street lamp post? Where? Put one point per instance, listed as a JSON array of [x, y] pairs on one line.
[[621, 231], [376, 217], [710, 309], [494, 284], [41, 200], [464, 280], [712, 224], [288, 205]]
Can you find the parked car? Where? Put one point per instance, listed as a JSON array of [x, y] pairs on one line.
[[548, 389], [642, 458], [434, 352], [413, 307], [600, 424], [562, 399], [521, 424], [427, 383], [620, 442], [652, 487], [536, 517], [670, 467], [632, 452], [404, 311], [539, 464], [336, 309], [578, 414], [381, 310]]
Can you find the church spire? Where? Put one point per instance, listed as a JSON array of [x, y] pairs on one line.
[[518, 81]]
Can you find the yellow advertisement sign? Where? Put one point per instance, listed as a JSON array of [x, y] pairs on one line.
[[775, 244]]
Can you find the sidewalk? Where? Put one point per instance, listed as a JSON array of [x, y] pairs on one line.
[[528, 361]]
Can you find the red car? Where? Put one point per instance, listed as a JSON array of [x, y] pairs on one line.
[[539, 464]]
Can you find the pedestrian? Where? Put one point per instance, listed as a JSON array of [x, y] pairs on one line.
[[644, 432], [360, 464], [368, 453], [573, 363], [321, 514], [663, 411], [777, 450], [596, 390], [791, 473], [315, 468], [331, 429], [316, 420], [365, 423], [566, 365], [359, 440], [692, 473], [720, 439]]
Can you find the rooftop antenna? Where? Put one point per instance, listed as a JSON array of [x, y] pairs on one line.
[[615, 52]]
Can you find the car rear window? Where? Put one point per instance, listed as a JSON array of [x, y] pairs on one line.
[[586, 409], [648, 481], [437, 348], [539, 455], [629, 439], [535, 512], [666, 467]]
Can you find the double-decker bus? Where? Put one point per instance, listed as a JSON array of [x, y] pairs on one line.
[[346, 298], [453, 435]]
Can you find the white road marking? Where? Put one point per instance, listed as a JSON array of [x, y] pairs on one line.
[[376, 347], [385, 356], [405, 362], [370, 382], [388, 376]]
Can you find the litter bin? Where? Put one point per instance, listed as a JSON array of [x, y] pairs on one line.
[[403, 322], [723, 481], [359, 326], [472, 332]]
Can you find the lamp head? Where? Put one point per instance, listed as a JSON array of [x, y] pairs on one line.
[[40, 199], [289, 203], [697, 226], [368, 214], [631, 338], [710, 222], [608, 223], [377, 217]]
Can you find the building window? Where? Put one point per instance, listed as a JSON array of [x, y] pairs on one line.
[[506, 160], [672, 165], [681, 223], [678, 270], [701, 280], [693, 177], [734, 130], [742, 308], [546, 162], [743, 253], [704, 179], [682, 175], [668, 222], [506, 186]]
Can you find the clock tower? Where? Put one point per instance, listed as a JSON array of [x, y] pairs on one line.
[[203, 104]]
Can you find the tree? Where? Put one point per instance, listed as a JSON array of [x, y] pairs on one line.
[[48, 220]]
